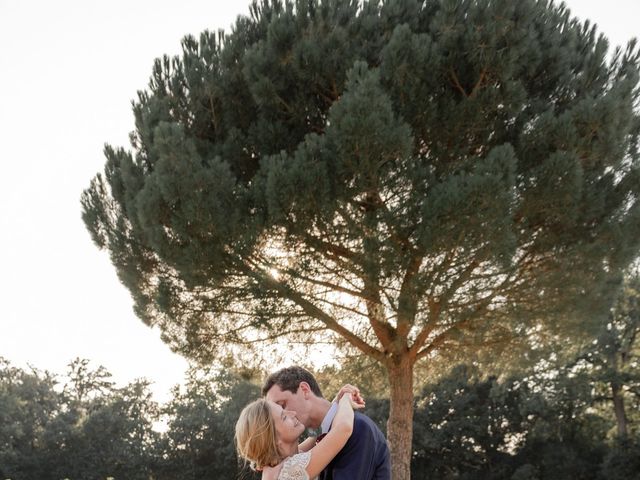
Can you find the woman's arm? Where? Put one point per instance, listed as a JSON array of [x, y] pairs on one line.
[[309, 442], [337, 437], [307, 445]]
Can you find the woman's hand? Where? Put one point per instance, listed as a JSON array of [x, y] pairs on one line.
[[357, 402]]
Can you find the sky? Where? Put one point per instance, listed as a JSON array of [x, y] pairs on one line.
[[68, 72]]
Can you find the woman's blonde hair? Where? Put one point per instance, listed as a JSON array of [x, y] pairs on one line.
[[256, 435]]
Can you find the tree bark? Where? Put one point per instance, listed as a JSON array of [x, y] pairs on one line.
[[400, 423], [618, 407]]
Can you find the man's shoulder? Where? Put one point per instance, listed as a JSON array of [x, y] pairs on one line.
[[362, 419], [365, 425], [366, 451]]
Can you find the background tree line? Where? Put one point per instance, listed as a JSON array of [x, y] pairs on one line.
[[569, 418], [88, 428]]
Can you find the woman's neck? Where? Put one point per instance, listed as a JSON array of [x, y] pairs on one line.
[[288, 449]]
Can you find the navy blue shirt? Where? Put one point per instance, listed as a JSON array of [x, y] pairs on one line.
[[364, 457]]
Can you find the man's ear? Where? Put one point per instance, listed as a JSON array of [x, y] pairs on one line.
[[305, 389]]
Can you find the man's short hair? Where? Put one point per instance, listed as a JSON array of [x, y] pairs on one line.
[[289, 378]]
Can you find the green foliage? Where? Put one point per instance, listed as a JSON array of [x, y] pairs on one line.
[[89, 430], [84, 383], [545, 425], [623, 461], [538, 427], [199, 442], [611, 362], [412, 177], [465, 168], [27, 403], [463, 424], [466, 426], [49, 432], [358, 370]]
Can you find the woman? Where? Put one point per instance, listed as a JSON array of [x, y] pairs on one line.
[[267, 437]]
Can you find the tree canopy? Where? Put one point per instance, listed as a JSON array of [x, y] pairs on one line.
[[411, 177]]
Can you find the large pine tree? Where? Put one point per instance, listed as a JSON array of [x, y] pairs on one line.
[[411, 176]]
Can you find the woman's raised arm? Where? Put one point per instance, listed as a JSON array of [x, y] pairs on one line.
[[341, 429]]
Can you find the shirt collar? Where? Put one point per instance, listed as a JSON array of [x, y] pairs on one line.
[[328, 418]]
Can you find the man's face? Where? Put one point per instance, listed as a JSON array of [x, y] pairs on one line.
[[297, 402]]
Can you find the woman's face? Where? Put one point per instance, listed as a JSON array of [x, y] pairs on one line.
[[288, 428]]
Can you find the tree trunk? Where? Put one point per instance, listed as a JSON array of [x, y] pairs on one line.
[[400, 423], [618, 407]]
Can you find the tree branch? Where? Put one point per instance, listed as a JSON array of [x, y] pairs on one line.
[[408, 299], [456, 82], [329, 285], [476, 87], [313, 311]]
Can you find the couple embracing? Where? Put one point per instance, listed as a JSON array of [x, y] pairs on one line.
[[349, 447]]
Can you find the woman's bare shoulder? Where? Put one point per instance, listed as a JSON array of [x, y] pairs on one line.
[[271, 473]]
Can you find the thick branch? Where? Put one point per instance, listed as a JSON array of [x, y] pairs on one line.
[[324, 247], [313, 311], [481, 306], [434, 314], [278, 335], [435, 307], [382, 329], [456, 82], [329, 285], [478, 85], [407, 299]]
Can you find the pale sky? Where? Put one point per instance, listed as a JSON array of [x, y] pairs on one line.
[[68, 72]]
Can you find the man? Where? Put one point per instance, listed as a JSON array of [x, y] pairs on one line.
[[366, 454]]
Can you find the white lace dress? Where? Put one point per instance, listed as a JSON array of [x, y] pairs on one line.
[[293, 467]]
